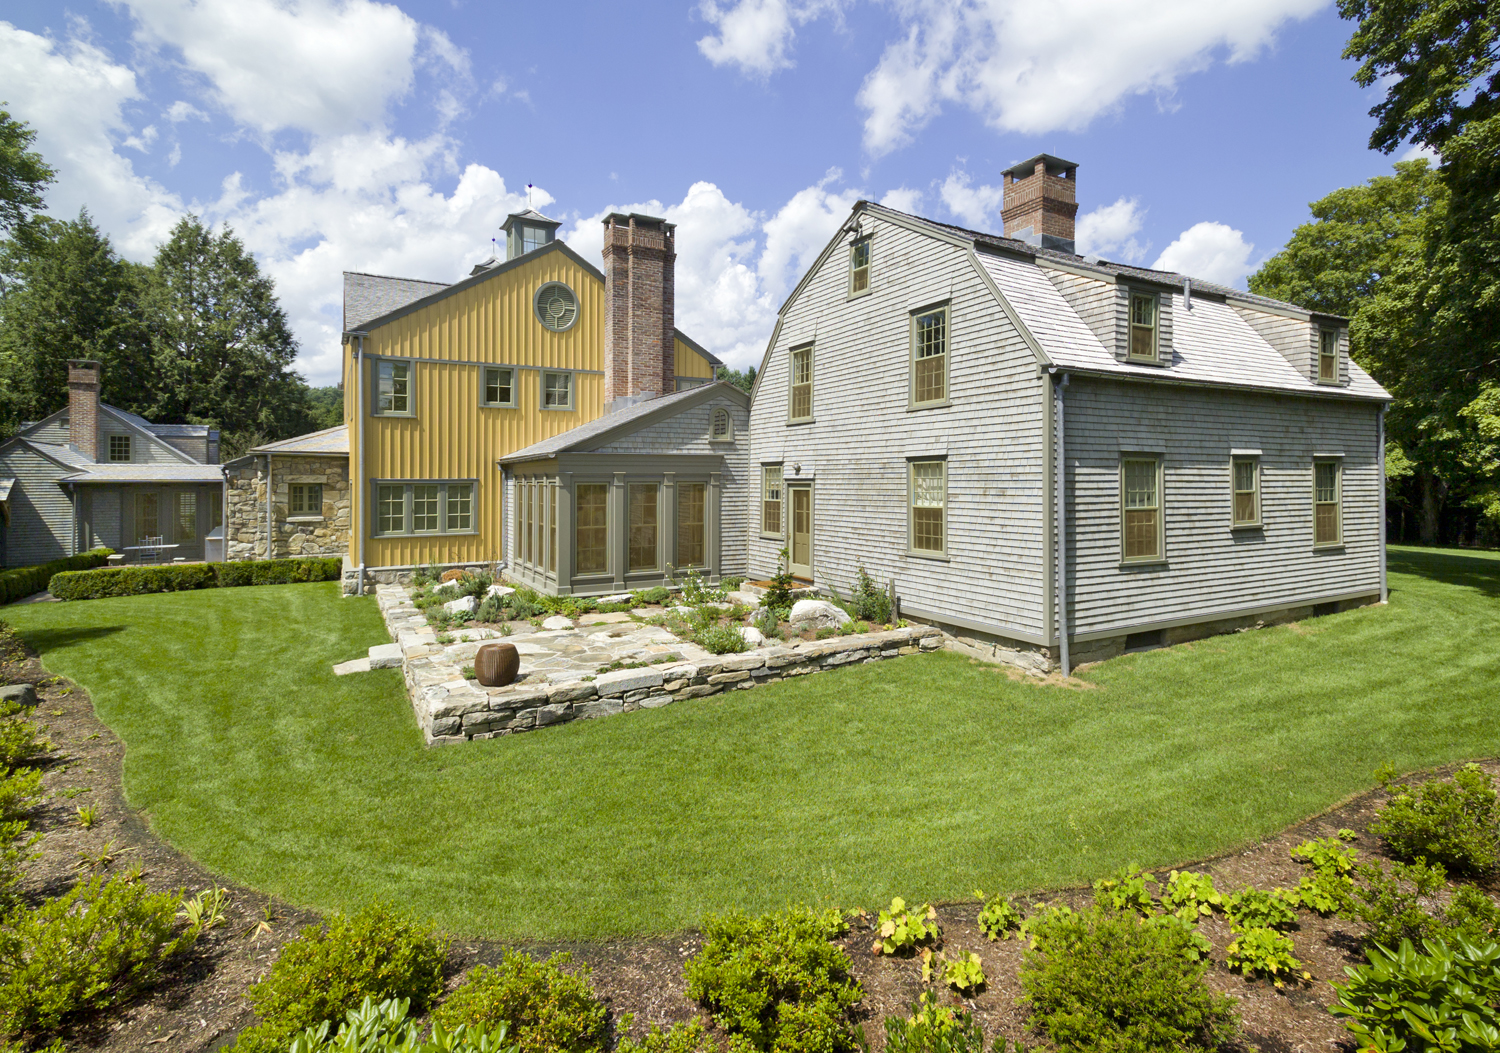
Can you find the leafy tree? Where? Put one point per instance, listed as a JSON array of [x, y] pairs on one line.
[[23, 173], [325, 407], [743, 380]]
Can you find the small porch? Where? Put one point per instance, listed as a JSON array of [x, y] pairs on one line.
[[150, 522]]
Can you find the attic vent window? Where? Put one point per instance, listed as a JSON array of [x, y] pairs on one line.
[[556, 307], [720, 428]]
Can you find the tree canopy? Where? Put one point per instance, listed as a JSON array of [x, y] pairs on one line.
[[23, 174]]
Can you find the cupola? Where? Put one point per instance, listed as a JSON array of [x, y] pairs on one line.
[[526, 231]]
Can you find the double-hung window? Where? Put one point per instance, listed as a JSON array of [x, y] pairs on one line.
[[1328, 499], [591, 518], [859, 267], [442, 507], [1328, 356], [802, 384], [306, 499], [187, 516], [499, 386], [1143, 327], [119, 447], [1245, 473], [770, 499], [929, 357], [1140, 520], [691, 519], [393, 387], [929, 507], [642, 499], [557, 391]]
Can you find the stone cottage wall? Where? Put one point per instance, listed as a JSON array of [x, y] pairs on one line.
[[321, 535]]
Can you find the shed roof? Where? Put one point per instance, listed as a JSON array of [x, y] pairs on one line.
[[606, 429], [147, 473]]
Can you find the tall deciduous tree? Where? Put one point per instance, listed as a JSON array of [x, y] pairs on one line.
[[23, 174]]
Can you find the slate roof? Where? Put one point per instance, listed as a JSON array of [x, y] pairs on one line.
[[147, 473], [368, 296], [180, 431], [329, 440], [605, 429]]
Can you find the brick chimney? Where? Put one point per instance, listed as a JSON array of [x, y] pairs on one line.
[[83, 407], [640, 257], [1040, 202]]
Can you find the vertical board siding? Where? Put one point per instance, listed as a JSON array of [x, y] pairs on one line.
[[689, 363], [687, 433], [41, 515], [855, 452], [1210, 568]]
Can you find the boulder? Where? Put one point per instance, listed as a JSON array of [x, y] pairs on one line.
[[744, 599], [619, 597], [817, 614], [462, 605], [558, 621], [499, 590], [18, 694], [753, 636]]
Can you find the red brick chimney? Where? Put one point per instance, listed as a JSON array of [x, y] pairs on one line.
[[83, 407], [1041, 201], [640, 257]]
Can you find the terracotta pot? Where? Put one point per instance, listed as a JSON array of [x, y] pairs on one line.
[[497, 664]]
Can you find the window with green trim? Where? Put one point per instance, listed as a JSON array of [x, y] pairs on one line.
[[557, 391], [1246, 473], [800, 407], [591, 521], [929, 357], [1141, 519], [119, 447], [1143, 327], [392, 387], [499, 386], [1328, 525], [306, 499], [929, 507], [1328, 356], [642, 543], [859, 267], [426, 507], [691, 547]]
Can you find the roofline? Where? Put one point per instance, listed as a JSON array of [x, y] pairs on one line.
[[38, 448], [365, 327], [690, 397], [113, 412], [398, 278], [1331, 393], [690, 342]]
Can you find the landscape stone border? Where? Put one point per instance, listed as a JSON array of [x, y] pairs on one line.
[[451, 709]]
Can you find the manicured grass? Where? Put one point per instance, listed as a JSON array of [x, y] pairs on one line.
[[922, 777]]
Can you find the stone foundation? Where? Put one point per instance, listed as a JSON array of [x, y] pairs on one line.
[[398, 575], [323, 534]]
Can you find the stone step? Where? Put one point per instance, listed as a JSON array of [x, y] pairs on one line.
[[385, 656], [357, 665]]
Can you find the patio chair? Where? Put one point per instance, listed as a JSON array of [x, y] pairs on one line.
[[150, 550]]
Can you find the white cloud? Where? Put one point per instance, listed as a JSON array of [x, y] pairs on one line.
[[972, 204], [182, 110], [321, 66], [801, 230], [1212, 251], [1110, 231], [1416, 150], [755, 35], [903, 199]]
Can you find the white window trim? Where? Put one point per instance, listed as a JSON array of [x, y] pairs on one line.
[[946, 308], [1256, 523], [812, 378], [1155, 358], [1161, 509], [854, 294], [911, 510], [406, 530], [1338, 481], [515, 386], [411, 387], [572, 376]]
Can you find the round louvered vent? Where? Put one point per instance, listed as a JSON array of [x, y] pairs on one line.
[[556, 307]]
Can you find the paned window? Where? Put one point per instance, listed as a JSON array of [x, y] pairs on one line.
[[1327, 501], [119, 447], [187, 516], [592, 518], [215, 513], [929, 354], [557, 391], [770, 499], [929, 507], [533, 238], [859, 267], [642, 542], [1328, 356], [393, 387], [552, 527], [424, 508], [1246, 472], [147, 515], [1141, 526], [518, 491], [690, 532], [1143, 327], [460, 501], [802, 381], [306, 499], [499, 386], [721, 427], [530, 506]]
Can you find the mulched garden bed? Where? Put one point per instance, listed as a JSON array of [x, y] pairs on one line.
[[201, 1007]]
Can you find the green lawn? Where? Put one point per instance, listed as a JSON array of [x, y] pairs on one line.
[[922, 777]]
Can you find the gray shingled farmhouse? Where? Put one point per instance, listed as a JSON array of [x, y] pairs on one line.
[[1056, 456], [91, 474]]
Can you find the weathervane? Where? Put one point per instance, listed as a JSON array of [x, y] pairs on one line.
[[528, 195]]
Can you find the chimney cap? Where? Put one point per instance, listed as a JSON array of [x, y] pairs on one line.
[[640, 219], [1055, 166], [531, 217]]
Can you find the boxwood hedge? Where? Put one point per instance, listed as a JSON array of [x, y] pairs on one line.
[[23, 581], [177, 577]]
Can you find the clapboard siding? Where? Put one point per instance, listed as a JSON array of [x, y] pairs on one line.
[[687, 433], [143, 449], [1164, 318], [856, 450], [1211, 569], [53, 429], [41, 516]]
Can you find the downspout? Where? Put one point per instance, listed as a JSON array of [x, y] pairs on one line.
[[1062, 524], [357, 495], [73, 500], [224, 514], [270, 517], [1380, 440]]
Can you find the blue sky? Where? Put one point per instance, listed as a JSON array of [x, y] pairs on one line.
[[394, 137]]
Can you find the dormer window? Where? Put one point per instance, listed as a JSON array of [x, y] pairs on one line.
[[1328, 356], [119, 447], [1143, 326]]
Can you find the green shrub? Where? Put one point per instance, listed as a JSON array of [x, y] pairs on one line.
[[870, 601], [1455, 824], [1263, 952], [933, 1028], [767, 622], [1442, 1000], [1329, 889], [387, 1027], [20, 582], [15, 849], [179, 577], [20, 790], [19, 741], [721, 639], [377, 952], [779, 595], [1472, 914], [1189, 894], [1105, 981], [94, 947], [902, 931], [1198, 946], [964, 972], [656, 595], [776, 982], [1254, 908], [1127, 891], [998, 916], [546, 1009], [690, 1037], [1391, 905]]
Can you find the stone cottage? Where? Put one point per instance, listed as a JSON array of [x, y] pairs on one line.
[[290, 498]]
